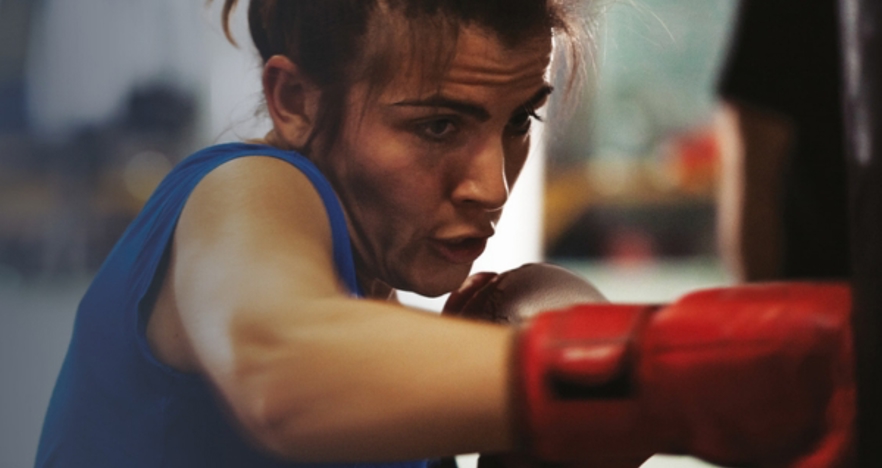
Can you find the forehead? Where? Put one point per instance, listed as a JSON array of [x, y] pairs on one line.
[[480, 55], [478, 58]]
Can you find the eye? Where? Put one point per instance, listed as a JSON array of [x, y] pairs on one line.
[[437, 129], [522, 121]]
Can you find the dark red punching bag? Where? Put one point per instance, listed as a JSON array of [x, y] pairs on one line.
[[862, 75]]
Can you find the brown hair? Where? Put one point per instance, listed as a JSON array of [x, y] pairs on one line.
[[328, 38]]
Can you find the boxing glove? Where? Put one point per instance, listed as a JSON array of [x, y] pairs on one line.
[[511, 298], [515, 295], [749, 376]]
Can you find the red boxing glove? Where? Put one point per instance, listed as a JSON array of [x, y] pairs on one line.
[[755, 375], [515, 295], [510, 298]]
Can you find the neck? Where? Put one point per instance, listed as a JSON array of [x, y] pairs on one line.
[[272, 139]]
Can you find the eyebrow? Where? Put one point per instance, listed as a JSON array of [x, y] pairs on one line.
[[468, 108]]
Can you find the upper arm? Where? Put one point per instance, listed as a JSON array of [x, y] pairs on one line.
[[308, 372], [255, 218], [251, 252]]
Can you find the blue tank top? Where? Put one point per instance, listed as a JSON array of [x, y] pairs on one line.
[[114, 404]]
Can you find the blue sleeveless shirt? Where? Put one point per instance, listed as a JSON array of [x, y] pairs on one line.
[[114, 404]]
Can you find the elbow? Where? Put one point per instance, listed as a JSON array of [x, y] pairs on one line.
[[275, 398], [277, 422], [265, 428]]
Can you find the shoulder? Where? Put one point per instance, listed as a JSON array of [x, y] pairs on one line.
[[266, 172], [257, 191], [253, 232]]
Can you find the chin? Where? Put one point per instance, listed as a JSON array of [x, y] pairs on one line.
[[436, 282]]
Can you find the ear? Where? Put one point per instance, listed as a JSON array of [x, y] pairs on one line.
[[292, 100]]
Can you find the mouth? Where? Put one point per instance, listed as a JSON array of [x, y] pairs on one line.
[[460, 250]]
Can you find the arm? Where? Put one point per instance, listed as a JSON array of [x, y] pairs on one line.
[[757, 375], [749, 205], [315, 376], [309, 373]]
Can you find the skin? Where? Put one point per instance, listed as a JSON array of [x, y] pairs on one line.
[[749, 220], [251, 299]]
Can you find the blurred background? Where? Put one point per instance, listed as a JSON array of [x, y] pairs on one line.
[[631, 180], [98, 100]]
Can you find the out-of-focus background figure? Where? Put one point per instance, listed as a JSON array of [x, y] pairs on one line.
[[783, 204]]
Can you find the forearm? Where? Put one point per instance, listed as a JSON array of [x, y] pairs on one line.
[[376, 382]]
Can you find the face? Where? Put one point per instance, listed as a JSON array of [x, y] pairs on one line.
[[423, 169]]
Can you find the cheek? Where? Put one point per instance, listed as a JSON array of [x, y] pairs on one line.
[[515, 158], [389, 185]]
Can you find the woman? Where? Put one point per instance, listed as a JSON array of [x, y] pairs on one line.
[[248, 315]]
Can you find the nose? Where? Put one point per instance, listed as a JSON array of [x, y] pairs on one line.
[[483, 182]]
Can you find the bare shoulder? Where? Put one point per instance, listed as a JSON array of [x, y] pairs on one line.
[[256, 212], [260, 189], [253, 234]]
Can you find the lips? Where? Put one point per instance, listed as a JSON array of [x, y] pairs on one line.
[[461, 250]]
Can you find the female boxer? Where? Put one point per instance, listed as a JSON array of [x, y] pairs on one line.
[[248, 315]]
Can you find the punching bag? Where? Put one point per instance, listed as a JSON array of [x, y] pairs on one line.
[[861, 22]]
